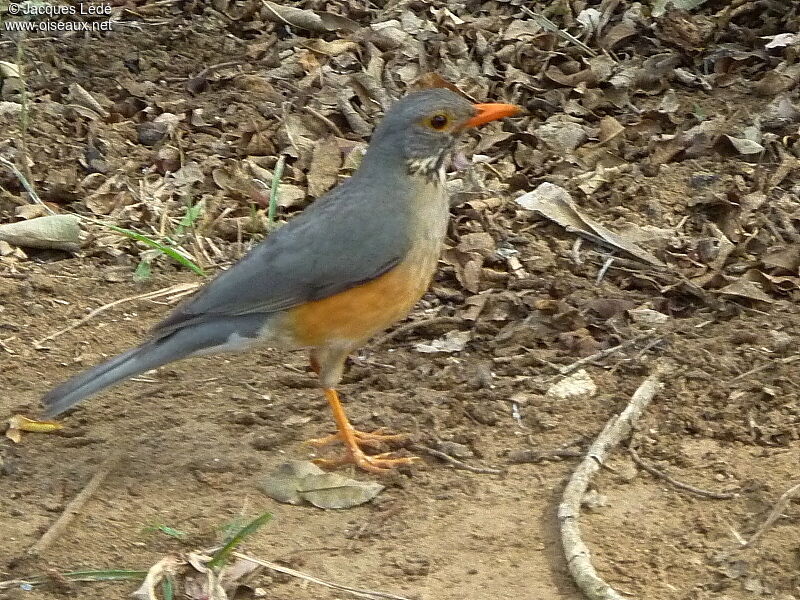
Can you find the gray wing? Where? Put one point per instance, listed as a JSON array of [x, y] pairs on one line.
[[348, 237]]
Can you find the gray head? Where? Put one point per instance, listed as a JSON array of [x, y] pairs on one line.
[[422, 128]]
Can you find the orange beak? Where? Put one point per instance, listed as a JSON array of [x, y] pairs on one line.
[[492, 112]]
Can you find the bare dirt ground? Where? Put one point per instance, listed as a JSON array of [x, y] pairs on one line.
[[650, 129]]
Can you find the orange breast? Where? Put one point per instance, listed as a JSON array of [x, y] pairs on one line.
[[360, 312]]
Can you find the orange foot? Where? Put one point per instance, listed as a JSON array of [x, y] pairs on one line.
[[377, 463], [370, 439], [353, 441]]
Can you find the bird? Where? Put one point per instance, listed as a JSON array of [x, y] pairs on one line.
[[350, 265]]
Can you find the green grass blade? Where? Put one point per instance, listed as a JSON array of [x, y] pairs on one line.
[[221, 556], [105, 575], [171, 531], [171, 252], [168, 588], [193, 212], [142, 272]]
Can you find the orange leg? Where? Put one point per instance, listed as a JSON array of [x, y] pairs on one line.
[[353, 440]]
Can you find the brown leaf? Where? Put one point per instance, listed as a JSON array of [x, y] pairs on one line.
[[470, 275], [80, 97], [452, 341], [555, 203], [298, 481], [481, 242], [743, 288], [785, 258], [618, 33], [332, 48], [324, 168], [60, 232], [307, 19], [561, 133], [779, 80], [290, 196], [609, 129], [572, 80], [434, 80]]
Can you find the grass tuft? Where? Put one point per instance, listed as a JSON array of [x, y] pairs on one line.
[[273, 192], [222, 555]]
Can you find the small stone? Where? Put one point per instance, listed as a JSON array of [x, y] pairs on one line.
[[167, 160], [482, 414], [269, 441], [579, 385], [455, 450], [648, 316], [211, 465], [151, 133], [245, 419], [52, 506], [781, 341]]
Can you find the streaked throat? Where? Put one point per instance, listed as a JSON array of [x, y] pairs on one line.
[[432, 168]]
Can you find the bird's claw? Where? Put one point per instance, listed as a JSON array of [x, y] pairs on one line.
[[377, 463], [374, 439]]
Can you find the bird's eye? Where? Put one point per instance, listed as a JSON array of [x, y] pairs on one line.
[[439, 121]]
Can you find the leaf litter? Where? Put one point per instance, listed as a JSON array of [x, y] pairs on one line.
[[671, 128]]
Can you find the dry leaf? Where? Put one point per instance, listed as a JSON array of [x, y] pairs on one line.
[[744, 146], [659, 7], [434, 80], [648, 316], [609, 129], [307, 19], [785, 258], [282, 484], [323, 171], [9, 70], [481, 242], [332, 48], [298, 481], [743, 288], [561, 133], [79, 96], [58, 232], [331, 490], [452, 341], [781, 40], [555, 203]]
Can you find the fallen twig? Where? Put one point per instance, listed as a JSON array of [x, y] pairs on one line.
[[567, 369], [547, 24], [765, 366], [331, 125], [774, 514], [679, 484], [90, 575], [75, 505], [413, 325], [576, 552], [518, 457], [210, 69], [604, 269], [181, 289], [455, 462], [358, 592], [26, 184]]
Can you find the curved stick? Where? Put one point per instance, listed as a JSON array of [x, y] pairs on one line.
[[577, 553]]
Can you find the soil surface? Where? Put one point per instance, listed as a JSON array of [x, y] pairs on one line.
[[190, 101]]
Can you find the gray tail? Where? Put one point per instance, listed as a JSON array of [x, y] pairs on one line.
[[130, 363], [222, 335]]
